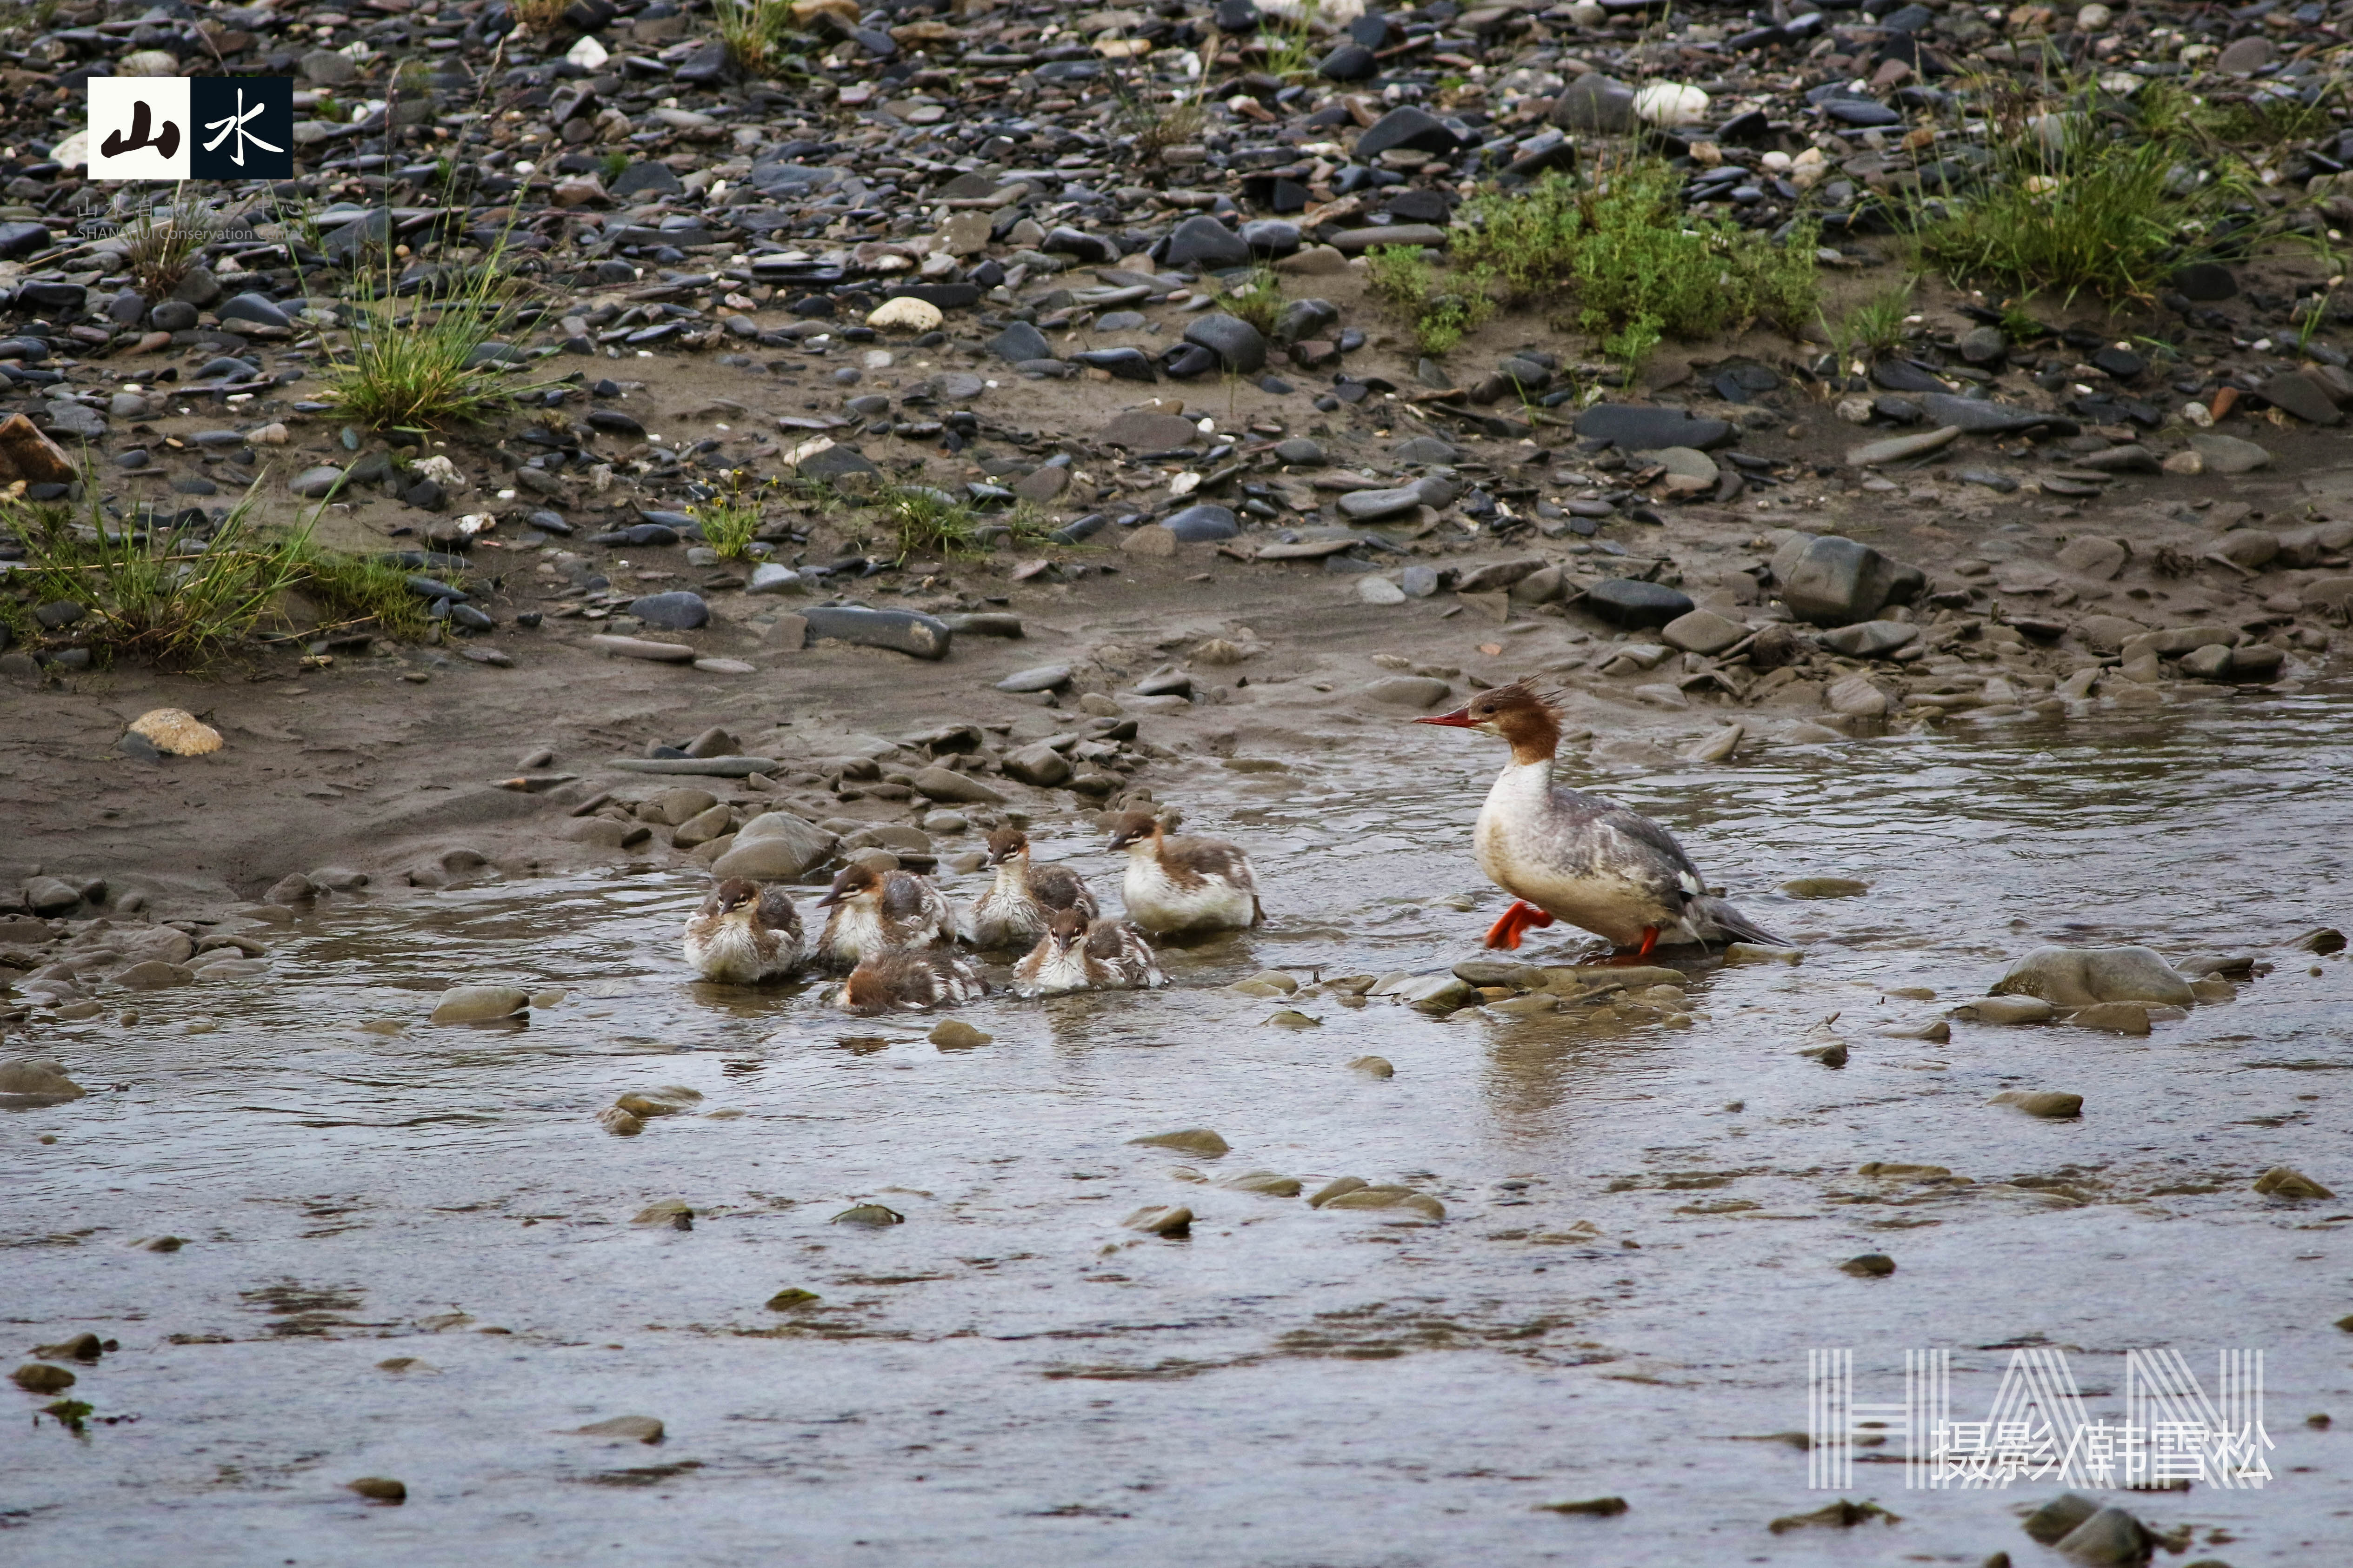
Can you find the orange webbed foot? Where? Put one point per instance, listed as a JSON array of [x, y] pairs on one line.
[[1521, 917]]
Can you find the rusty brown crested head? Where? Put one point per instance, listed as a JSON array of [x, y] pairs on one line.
[[1522, 712]]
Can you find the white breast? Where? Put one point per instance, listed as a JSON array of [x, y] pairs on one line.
[[1515, 841], [1006, 915]]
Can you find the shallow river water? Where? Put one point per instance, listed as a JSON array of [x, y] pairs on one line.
[[1640, 1245]]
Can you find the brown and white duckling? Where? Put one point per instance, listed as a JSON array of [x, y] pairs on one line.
[[895, 981], [881, 911], [745, 933], [1015, 911], [1590, 861], [1078, 955], [1184, 884]]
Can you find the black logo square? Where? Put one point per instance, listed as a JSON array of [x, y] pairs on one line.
[[242, 128]]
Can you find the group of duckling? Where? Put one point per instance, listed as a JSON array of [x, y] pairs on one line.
[[901, 942]]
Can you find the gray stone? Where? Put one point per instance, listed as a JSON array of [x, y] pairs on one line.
[[678, 611], [1018, 342], [1831, 581], [1406, 126], [1039, 765], [1857, 698], [1623, 602], [2050, 1522], [1409, 691], [313, 483], [768, 577], [1419, 581], [1638, 429], [2113, 1535], [476, 1004], [1357, 241], [1201, 241], [2245, 57], [1598, 104], [1379, 591], [1427, 450], [775, 846], [1979, 417], [2302, 395], [1895, 449], [2079, 976], [50, 895], [1203, 524], [1372, 506], [1239, 346], [2228, 454], [947, 784], [1300, 452], [69, 418], [253, 308], [1871, 640], [1142, 430], [1702, 632], [1043, 677], [37, 1078], [902, 631]]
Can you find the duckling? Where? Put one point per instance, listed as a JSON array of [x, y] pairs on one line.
[[1077, 955], [877, 912], [1015, 911], [888, 980], [744, 933], [1185, 884]]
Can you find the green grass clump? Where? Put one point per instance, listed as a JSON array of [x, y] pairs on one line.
[[2100, 218], [1440, 319], [537, 18], [1873, 327], [158, 252], [1638, 266], [355, 591], [610, 165], [750, 29], [928, 522], [175, 597], [420, 376], [729, 524], [1258, 301]]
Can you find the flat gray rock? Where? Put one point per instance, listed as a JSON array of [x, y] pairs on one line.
[[1984, 418], [902, 631], [1044, 678], [702, 767], [1898, 447]]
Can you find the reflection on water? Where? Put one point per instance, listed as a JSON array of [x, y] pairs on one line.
[[1643, 1221]]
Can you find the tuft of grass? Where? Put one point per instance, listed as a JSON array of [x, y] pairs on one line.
[[1157, 130], [174, 597], [2098, 216], [1258, 301], [1439, 319], [537, 18], [1290, 46], [1874, 327], [357, 591], [610, 165], [158, 254], [929, 522], [1639, 267], [750, 29], [422, 376], [729, 524]]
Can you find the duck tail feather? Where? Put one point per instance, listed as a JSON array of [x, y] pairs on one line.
[[1734, 926]]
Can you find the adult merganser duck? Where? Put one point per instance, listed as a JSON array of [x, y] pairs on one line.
[[1077, 955], [1184, 884], [744, 933], [887, 981], [1016, 912], [879, 911], [1561, 852]]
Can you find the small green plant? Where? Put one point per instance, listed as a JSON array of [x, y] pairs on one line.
[[1258, 301], [1638, 266], [174, 597], [1290, 46], [1402, 280], [71, 1414], [2103, 220], [1873, 327], [431, 374], [355, 589], [159, 252], [1159, 129], [926, 522], [2019, 324], [729, 524], [750, 29], [610, 165]]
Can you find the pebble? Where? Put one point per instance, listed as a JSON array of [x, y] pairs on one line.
[[630, 1428], [1158, 1219], [379, 1488], [2079, 976], [477, 1004], [1196, 1141], [900, 631], [2286, 1182], [2006, 1010], [176, 732], [2041, 1102], [1824, 887], [954, 1035], [638, 648]]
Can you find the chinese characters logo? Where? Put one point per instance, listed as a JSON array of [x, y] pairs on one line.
[[2039, 1428], [191, 127]]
